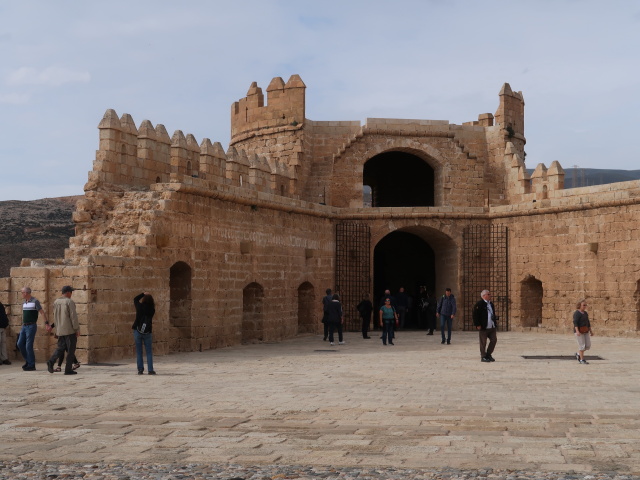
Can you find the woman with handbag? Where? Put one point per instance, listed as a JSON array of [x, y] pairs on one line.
[[145, 310], [582, 330], [388, 319]]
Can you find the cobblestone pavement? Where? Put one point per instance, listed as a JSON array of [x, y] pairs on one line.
[[418, 409]]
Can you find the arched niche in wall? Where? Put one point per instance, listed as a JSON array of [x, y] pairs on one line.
[[180, 297], [531, 294], [252, 315], [306, 308]]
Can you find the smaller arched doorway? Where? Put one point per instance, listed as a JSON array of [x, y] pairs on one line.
[[531, 294], [306, 304], [252, 316]]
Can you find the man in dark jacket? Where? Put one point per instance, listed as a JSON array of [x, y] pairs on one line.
[[365, 307], [484, 319], [446, 311]]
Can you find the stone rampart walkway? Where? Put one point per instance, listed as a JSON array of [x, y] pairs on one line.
[[418, 404]]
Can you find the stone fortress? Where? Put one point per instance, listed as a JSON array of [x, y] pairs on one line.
[[239, 246]]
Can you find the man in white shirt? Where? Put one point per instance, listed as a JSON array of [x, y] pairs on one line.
[[484, 319]]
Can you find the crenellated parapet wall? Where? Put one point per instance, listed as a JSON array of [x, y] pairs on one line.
[[285, 107], [542, 184], [131, 158]]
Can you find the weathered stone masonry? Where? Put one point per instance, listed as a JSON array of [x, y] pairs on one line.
[[238, 246]]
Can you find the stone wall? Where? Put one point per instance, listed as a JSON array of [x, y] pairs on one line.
[[239, 246]]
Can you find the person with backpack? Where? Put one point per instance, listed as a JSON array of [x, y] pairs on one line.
[[145, 310], [446, 311]]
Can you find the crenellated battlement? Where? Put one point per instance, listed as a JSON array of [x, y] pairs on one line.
[[285, 107], [136, 158]]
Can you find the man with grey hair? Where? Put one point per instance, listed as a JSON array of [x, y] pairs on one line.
[[31, 308], [485, 320]]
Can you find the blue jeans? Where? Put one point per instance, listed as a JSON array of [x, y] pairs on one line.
[[25, 343], [143, 338], [387, 331], [449, 321]]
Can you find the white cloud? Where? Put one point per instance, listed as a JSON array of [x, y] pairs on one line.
[[50, 76], [15, 98]]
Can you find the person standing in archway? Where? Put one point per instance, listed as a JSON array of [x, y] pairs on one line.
[[582, 330], [365, 307], [402, 305], [485, 320], [446, 311], [388, 318]]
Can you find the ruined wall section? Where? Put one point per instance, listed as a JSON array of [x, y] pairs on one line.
[[46, 279], [577, 245]]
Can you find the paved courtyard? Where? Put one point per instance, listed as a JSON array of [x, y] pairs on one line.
[[418, 404]]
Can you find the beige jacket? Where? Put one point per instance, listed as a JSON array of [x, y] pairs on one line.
[[66, 318]]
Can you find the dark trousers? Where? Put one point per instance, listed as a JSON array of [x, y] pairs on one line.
[[326, 330], [366, 319], [332, 328], [446, 321], [387, 331], [68, 343], [489, 333]]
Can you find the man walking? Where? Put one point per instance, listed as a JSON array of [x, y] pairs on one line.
[[484, 319], [446, 311], [67, 328], [31, 308]]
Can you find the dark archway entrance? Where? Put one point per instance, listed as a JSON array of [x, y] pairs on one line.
[[403, 259], [399, 179]]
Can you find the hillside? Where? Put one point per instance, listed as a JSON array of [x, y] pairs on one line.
[[34, 229]]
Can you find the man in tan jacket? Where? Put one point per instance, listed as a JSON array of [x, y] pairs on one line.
[[67, 329]]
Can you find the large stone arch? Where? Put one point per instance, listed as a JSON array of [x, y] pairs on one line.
[[421, 254], [349, 166], [397, 178]]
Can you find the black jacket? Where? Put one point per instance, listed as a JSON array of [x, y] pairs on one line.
[[144, 313], [334, 312], [480, 314], [4, 320]]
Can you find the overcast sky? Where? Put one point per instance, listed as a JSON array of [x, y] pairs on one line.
[[182, 64]]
